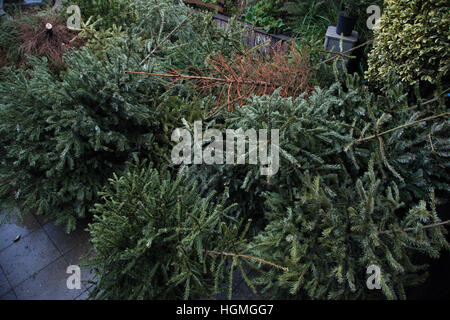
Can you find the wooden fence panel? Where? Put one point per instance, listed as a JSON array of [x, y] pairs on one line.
[[254, 36]]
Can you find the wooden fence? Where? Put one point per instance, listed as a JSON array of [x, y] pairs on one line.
[[253, 36]]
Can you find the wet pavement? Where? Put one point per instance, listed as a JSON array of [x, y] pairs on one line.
[[35, 255]]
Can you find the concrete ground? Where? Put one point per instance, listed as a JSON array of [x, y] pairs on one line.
[[35, 255]]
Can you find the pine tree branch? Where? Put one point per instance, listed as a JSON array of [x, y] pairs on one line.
[[247, 257], [412, 229], [431, 142], [432, 100], [166, 38], [217, 109], [187, 77], [375, 136], [244, 76]]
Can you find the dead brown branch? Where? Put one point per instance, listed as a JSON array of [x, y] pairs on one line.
[[47, 36], [232, 82]]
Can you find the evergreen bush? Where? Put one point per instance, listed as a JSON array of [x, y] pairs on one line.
[[412, 41], [9, 43], [309, 139], [168, 29], [326, 133], [409, 151], [109, 12]]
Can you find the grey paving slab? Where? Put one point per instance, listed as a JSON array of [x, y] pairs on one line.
[[49, 284], [9, 296], [63, 241], [83, 296], [244, 292], [78, 256], [27, 256], [10, 231], [4, 284], [41, 219]]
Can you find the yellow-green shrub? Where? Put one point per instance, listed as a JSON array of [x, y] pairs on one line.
[[412, 41]]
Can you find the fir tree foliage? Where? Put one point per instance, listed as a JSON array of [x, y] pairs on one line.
[[155, 237], [309, 140], [356, 172], [9, 42], [328, 242], [328, 130], [63, 136], [412, 152], [107, 12], [169, 31], [375, 213]]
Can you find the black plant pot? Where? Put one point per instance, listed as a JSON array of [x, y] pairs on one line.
[[345, 24]]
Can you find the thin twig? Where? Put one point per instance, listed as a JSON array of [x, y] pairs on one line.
[[412, 229], [445, 92], [247, 257], [216, 110], [445, 114], [166, 38], [186, 77], [431, 143], [381, 148]]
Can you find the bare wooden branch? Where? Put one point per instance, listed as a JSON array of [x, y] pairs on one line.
[[375, 136], [166, 38], [247, 257], [412, 229]]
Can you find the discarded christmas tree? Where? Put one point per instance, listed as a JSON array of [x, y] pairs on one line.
[[155, 237]]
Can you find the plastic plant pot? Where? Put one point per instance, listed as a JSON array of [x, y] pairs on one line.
[[345, 24]]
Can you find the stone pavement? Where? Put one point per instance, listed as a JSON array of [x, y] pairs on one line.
[[34, 256]]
